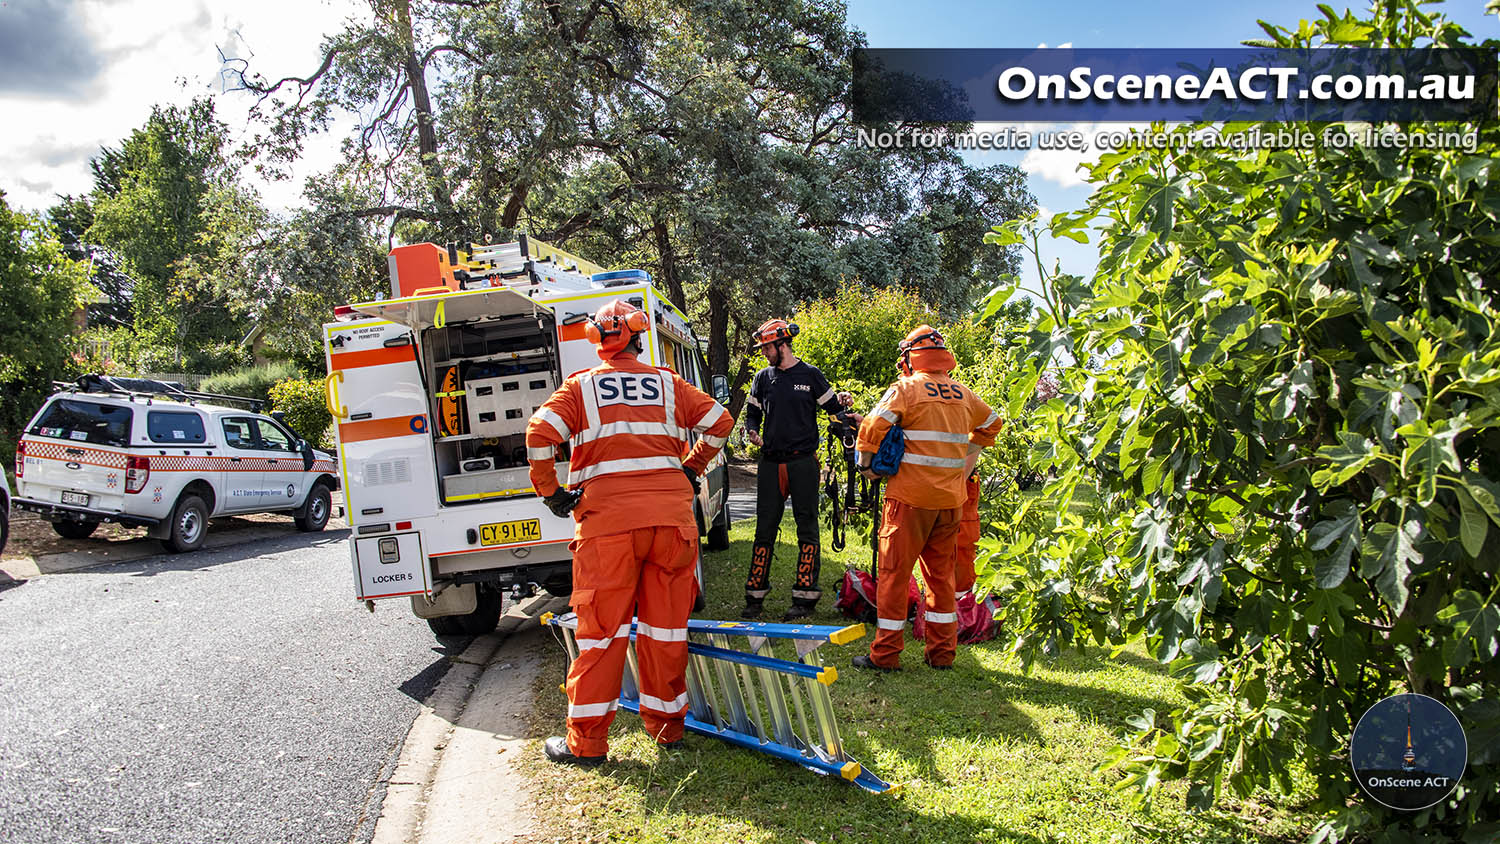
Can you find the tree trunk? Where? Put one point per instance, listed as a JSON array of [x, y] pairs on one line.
[[489, 174], [719, 350], [427, 143], [513, 207], [669, 274]]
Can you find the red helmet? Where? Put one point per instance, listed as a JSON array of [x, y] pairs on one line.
[[923, 338], [773, 331], [612, 327]]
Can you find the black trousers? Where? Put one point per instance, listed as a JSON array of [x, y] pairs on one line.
[[770, 504]]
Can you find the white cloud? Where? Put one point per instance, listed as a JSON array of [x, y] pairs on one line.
[[151, 53]]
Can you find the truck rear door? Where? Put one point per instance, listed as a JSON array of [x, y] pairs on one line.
[[379, 399]]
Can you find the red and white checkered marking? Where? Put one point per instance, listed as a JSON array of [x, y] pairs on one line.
[[75, 454]]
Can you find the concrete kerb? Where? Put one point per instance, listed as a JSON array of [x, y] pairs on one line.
[[455, 779]]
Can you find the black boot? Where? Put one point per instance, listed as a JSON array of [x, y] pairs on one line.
[[557, 750], [864, 661], [753, 609], [797, 611]]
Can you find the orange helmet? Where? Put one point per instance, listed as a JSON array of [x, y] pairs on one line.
[[612, 327], [773, 331], [927, 343]]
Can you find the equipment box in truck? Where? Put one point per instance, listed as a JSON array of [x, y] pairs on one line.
[[431, 391]]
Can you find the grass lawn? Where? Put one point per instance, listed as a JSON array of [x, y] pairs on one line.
[[983, 752]]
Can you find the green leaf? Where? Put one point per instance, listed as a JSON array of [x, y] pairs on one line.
[[1002, 236], [1475, 622], [1070, 226], [1143, 722], [1374, 249], [1161, 204], [997, 297], [1473, 524], [1388, 555], [1352, 454], [1326, 609], [1342, 531], [1474, 168], [1426, 452], [1151, 538], [1200, 796], [1151, 475], [1485, 494]]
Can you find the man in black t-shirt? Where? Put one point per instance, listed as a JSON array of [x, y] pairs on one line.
[[785, 396]]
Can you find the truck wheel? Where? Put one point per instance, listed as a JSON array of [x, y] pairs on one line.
[[75, 530], [189, 525], [4, 524], [718, 532], [485, 616], [446, 625], [560, 586], [313, 516], [482, 620]]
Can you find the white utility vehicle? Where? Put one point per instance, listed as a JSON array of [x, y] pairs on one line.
[[431, 391], [151, 454]]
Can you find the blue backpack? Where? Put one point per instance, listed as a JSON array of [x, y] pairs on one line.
[[888, 457]]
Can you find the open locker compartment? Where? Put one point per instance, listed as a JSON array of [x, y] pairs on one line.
[[489, 375]]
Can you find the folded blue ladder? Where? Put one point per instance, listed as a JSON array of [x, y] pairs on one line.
[[752, 698]]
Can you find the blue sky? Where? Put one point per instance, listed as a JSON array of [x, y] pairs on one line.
[[1145, 23]]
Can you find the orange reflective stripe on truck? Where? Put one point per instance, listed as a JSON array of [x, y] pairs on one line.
[[373, 357], [380, 429]]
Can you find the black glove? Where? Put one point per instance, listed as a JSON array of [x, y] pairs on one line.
[[562, 502], [692, 479]]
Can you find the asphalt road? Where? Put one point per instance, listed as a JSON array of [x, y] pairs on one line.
[[236, 695]]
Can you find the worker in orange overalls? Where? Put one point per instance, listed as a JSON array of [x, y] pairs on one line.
[[635, 547], [944, 423]]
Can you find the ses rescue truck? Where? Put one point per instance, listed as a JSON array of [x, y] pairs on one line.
[[431, 391]]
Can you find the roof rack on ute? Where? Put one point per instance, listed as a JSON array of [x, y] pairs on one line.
[[148, 388]]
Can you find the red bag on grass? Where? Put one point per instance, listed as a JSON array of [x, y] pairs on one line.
[[856, 596], [976, 620]]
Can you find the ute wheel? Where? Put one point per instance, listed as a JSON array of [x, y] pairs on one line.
[[314, 514], [73, 530], [718, 532], [4, 523], [189, 526]]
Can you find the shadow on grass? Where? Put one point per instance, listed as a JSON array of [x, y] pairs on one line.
[[967, 741], [712, 791]]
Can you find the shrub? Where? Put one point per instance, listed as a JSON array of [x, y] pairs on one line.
[[217, 357], [1282, 382], [305, 406], [853, 336], [252, 382]]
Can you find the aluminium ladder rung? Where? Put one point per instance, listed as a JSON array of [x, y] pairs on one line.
[[743, 697]]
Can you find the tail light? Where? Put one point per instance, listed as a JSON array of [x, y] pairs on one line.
[[20, 458], [137, 472]]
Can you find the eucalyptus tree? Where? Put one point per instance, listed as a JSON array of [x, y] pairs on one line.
[[710, 142]]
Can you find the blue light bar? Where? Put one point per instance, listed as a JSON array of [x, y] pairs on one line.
[[618, 277]]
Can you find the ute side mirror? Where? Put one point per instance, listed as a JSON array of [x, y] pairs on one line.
[[720, 389]]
